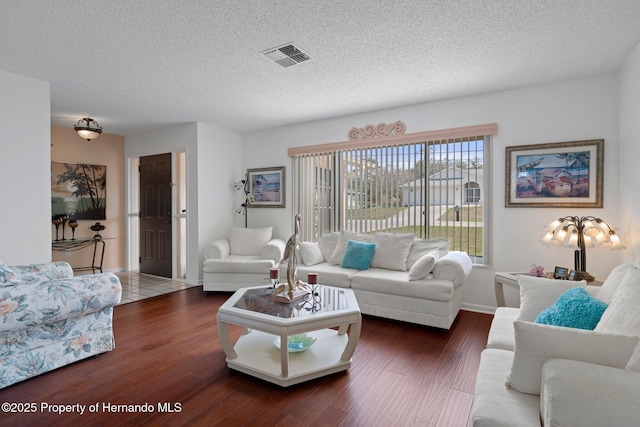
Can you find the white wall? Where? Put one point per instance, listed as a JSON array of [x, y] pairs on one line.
[[219, 166], [568, 111], [214, 162], [25, 170], [630, 154]]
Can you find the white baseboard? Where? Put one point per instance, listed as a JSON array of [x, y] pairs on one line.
[[487, 309]]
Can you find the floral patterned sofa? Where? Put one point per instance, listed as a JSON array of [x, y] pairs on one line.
[[50, 318]]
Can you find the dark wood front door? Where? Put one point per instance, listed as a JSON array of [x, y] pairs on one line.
[[155, 215]]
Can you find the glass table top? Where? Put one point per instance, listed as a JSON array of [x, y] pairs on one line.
[[321, 300]]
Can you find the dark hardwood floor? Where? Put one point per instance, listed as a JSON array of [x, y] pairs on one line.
[[168, 354]]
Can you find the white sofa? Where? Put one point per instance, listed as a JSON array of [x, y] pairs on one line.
[[535, 374], [242, 260], [413, 280]]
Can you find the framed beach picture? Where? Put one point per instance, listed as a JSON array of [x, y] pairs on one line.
[[266, 185], [79, 190], [562, 174]]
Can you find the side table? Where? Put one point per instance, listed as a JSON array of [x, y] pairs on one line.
[[77, 244], [505, 278], [511, 279]]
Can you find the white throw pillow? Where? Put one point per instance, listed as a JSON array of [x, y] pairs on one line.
[[537, 294], [536, 343], [249, 241], [422, 246], [606, 291], [345, 236], [392, 250], [310, 253], [623, 314], [327, 244], [634, 361], [424, 265]]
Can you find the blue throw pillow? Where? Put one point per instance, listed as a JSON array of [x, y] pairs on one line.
[[358, 255], [574, 309]]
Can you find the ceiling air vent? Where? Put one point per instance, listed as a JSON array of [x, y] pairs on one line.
[[286, 55]]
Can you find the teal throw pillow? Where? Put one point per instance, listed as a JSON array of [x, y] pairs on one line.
[[358, 255], [573, 309]]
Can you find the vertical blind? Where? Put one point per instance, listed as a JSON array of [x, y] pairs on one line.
[[434, 189]]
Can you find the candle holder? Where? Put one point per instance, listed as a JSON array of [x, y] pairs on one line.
[[64, 218], [72, 225], [56, 221], [274, 278]]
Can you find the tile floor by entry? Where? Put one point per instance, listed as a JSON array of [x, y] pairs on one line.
[[136, 286]]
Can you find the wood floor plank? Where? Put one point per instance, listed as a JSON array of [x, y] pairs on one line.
[[168, 353]]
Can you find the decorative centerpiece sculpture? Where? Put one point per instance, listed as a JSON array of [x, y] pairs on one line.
[[295, 289], [97, 227]]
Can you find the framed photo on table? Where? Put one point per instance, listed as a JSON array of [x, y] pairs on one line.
[[267, 186], [561, 273], [558, 175]]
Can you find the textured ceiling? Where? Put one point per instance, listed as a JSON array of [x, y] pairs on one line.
[[133, 65]]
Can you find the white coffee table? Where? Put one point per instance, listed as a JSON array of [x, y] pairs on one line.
[[263, 320]]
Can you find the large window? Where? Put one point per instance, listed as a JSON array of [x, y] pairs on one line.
[[432, 188]]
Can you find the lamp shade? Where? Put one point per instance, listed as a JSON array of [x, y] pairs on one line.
[[579, 233], [88, 128]]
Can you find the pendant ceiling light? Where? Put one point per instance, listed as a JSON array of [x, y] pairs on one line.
[[88, 128]]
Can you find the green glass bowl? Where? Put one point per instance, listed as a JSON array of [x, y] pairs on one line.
[[297, 343]]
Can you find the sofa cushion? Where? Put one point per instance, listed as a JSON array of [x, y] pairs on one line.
[[239, 264], [249, 241], [536, 294], [424, 265], [358, 255], [585, 394], [328, 274], [536, 343], [574, 309], [495, 405], [606, 291], [392, 250], [7, 275], [623, 316], [501, 331], [327, 244], [397, 283], [310, 253], [341, 246], [422, 246]]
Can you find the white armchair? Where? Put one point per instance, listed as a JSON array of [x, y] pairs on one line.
[[244, 259]]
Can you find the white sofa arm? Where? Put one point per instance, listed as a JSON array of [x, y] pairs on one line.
[[584, 394], [455, 266], [274, 250], [220, 248]]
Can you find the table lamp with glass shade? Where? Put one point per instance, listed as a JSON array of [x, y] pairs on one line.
[[580, 233]]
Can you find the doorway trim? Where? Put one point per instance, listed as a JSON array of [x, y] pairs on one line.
[[179, 203]]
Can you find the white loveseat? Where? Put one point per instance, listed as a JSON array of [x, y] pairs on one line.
[[242, 260], [413, 280], [535, 374]]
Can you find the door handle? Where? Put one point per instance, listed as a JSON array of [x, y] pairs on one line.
[[169, 216]]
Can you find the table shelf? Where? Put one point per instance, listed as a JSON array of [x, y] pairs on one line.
[[258, 356]]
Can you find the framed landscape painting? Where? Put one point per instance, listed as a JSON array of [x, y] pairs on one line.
[[266, 185], [79, 190], [562, 174]]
